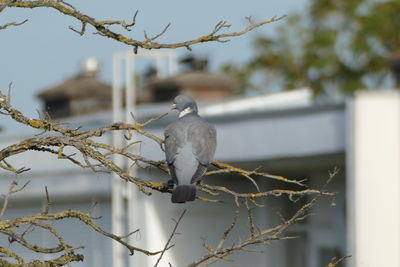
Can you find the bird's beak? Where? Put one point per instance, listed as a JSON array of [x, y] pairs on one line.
[[173, 106]]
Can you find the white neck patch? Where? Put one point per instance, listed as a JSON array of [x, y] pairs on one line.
[[185, 112]]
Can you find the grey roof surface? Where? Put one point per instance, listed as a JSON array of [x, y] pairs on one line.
[[78, 87], [199, 79]]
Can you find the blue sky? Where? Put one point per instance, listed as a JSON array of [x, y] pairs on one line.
[[44, 51]]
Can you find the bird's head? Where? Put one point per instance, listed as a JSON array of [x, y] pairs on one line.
[[184, 104]]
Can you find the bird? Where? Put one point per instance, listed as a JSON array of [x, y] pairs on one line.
[[190, 144]]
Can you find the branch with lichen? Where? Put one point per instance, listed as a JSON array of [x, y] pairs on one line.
[[258, 237], [38, 219], [102, 27], [62, 260], [12, 229]]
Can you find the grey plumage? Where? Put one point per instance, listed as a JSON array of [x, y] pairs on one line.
[[190, 144]]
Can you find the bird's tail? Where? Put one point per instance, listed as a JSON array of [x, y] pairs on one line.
[[183, 193]]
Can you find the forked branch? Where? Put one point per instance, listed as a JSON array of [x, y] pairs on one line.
[[102, 26]]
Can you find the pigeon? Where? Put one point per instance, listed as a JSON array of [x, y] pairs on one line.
[[190, 144]]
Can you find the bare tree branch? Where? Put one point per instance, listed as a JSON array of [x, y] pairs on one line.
[[151, 39], [166, 247], [123, 23], [335, 261], [11, 191], [82, 31], [2, 27], [36, 220], [101, 26], [256, 237]]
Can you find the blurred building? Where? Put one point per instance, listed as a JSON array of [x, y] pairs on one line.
[[79, 95], [285, 133], [200, 84], [86, 94]]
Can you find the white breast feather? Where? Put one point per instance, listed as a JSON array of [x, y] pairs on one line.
[[185, 111]]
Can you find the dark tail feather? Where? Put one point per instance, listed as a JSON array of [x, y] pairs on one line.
[[183, 193]]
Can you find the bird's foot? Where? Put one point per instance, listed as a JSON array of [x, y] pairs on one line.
[[169, 184]]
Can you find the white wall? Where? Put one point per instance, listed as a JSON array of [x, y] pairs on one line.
[[373, 160]]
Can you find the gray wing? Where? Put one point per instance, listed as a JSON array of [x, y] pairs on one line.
[[204, 141], [201, 170], [173, 143]]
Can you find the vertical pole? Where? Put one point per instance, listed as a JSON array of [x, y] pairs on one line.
[[116, 197], [125, 198], [172, 64], [129, 89], [159, 64], [130, 99]]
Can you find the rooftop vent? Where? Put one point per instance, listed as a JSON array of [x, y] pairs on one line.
[[90, 67]]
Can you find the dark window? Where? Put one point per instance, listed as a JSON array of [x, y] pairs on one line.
[[58, 108], [165, 93]]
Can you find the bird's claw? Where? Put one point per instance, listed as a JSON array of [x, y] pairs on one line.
[[169, 184]]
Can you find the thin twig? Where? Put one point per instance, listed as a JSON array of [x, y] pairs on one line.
[[2, 27], [11, 191], [335, 261], [166, 247]]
